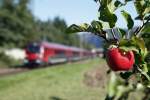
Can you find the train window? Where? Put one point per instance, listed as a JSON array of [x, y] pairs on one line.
[[76, 53], [60, 53], [35, 48]]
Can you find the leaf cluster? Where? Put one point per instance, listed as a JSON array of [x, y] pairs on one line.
[[134, 39]]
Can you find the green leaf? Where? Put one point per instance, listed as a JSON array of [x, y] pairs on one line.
[[114, 5], [97, 25], [129, 48], [139, 42], [139, 17], [125, 42], [144, 73], [147, 10], [139, 5], [85, 27], [145, 69], [144, 53], [122, 90], [105, 2], [147, 7], [137, 58], [128, 18], [125, 75], [147, 17], [75, 28], [122, 32], [107, 16], [142, 8], [118, 3], [146, 29], [135, 44]]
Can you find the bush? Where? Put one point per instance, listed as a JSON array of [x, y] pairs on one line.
[[6, 61]]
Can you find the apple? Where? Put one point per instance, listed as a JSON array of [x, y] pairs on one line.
[[120, 60]]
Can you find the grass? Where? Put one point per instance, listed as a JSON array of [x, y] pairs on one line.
[[63, 82]]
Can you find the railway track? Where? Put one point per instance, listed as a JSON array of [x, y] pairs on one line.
[[21, 69], [11, 71]]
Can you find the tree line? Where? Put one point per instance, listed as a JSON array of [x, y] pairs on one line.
[[18, 26]]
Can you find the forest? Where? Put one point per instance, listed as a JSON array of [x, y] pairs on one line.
[[18, 26]]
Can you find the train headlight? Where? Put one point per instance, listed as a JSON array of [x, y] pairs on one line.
[[38, 61], [26, 61]]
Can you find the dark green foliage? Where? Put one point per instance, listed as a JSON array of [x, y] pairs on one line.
[[107, 16], [146, 35], [125, 75], [128, 18], [18, 26], [16, 22], [142, 8]]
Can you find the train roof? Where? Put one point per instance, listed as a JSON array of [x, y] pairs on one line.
[[53, 45], [60, 46]]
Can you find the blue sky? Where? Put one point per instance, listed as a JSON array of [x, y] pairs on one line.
[[73, 11]]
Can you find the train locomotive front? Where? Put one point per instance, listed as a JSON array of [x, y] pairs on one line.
[[34, 54]]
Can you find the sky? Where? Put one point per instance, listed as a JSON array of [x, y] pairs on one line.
[[73, 11]]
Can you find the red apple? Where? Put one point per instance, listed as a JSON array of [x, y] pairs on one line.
[[120, 60]]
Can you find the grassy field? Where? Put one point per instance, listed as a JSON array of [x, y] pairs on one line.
[[63, 82], [85, 80]]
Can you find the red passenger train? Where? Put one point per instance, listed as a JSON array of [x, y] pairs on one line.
[[52, 53]]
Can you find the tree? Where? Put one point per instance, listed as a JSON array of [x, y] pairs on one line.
[[135, 41], [60, 24], [16, 22]]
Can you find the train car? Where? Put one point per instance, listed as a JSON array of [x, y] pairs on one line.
[[51, 53]]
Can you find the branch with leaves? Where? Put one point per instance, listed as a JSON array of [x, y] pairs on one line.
[[128, 43]]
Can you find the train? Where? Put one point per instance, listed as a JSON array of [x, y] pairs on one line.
[[43, 53]]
